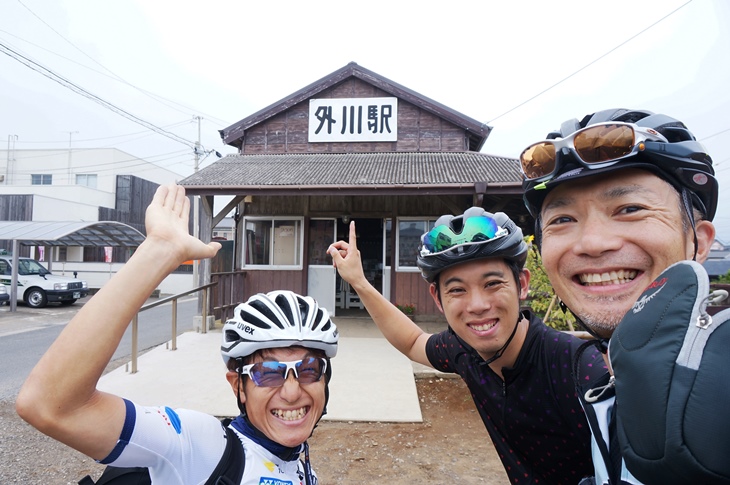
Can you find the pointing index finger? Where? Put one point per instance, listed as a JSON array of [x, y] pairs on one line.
[[353, 237]]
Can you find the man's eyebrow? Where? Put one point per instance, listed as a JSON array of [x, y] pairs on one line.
[[558, 203], [453, 279], [488, 274], [614, 192]]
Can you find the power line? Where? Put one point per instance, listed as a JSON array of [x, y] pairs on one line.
[[590, 63], [83, 140], [114, 76], [138, 166], [53, 152], [83, 92], [715, 134]]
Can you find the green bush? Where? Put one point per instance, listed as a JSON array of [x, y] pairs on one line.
[[542, 298], [407, 308], [722, 279]]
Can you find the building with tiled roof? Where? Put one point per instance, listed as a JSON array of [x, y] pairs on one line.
[[350, 146]]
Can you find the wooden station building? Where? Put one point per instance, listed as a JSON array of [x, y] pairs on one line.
[[350, 146]]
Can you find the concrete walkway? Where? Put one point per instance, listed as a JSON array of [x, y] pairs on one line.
[[371, 381]]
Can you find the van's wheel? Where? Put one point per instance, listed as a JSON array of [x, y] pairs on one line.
[[36, 298]]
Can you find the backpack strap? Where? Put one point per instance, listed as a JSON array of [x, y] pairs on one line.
[[229, 470], [120, 476]]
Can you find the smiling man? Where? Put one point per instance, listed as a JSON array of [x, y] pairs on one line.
[[277, 348], [618, 197], [517, 369]]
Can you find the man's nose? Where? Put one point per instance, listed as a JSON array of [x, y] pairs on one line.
[[596, 236], [478, 302], [290, 390]]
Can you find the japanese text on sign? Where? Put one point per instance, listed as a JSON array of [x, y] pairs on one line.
[[353, 119]]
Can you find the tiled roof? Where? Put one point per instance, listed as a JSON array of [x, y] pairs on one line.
[[382, 170], [716, 267]]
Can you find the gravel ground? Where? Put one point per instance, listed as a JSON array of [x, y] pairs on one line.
[[29, 457], [450, 446]]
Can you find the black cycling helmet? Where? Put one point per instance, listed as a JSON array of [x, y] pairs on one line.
[[667, 149], [476, 234]]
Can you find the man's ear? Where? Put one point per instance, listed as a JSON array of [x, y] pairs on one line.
[[524, 283], [234, 379], [705, 231], [433, 289]]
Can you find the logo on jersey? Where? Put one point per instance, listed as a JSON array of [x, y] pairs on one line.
[[273, 481], [171, 418]]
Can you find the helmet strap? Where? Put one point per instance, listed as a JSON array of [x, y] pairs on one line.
[[538, 232], [600, 342], [687, 203], [241, 376], [499, 353]]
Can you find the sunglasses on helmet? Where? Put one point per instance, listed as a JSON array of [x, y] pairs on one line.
[[273, 374], [596, 146], [475, 230]]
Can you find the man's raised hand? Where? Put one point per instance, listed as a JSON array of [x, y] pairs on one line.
[[166, 221], [346, 258]]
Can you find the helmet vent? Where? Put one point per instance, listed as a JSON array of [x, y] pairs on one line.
[[256, 321], [303, 308], [317, 319], [282, 302], [232, 336]]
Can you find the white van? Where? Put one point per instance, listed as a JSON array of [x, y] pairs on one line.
[[38, 287]]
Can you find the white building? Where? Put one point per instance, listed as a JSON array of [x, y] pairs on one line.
[[81, 184], [73, 184]]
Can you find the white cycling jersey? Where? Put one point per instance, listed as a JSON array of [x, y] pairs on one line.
[[182, 447]]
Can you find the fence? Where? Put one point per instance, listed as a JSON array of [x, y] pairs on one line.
[[227, 293], [173, 299]]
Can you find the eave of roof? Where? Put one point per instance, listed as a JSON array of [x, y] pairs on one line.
[[383, 173], [233, 134]]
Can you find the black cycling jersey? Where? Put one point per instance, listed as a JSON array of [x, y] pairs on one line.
[[534, 416]]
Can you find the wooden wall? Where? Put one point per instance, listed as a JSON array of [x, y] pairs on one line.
[[418, 130], [16, 208], [412, 288], [265, 281], [365, 206], [133, 195]]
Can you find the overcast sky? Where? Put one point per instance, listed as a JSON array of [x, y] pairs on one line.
[[522, 67]]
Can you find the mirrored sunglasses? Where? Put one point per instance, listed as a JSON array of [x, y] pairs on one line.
[[596, 146], [273, 374], [475, 230]]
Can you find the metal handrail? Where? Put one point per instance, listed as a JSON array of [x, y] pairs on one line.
[[173, 299]]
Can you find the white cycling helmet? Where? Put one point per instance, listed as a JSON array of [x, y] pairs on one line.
[[278, 319]]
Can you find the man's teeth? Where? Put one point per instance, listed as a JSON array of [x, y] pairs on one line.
[[290, 414], [610, 278], [482, 328]]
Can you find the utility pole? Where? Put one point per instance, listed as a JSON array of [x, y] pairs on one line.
[[11, 157], [196, 209], [197, 145], [70, 171]]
